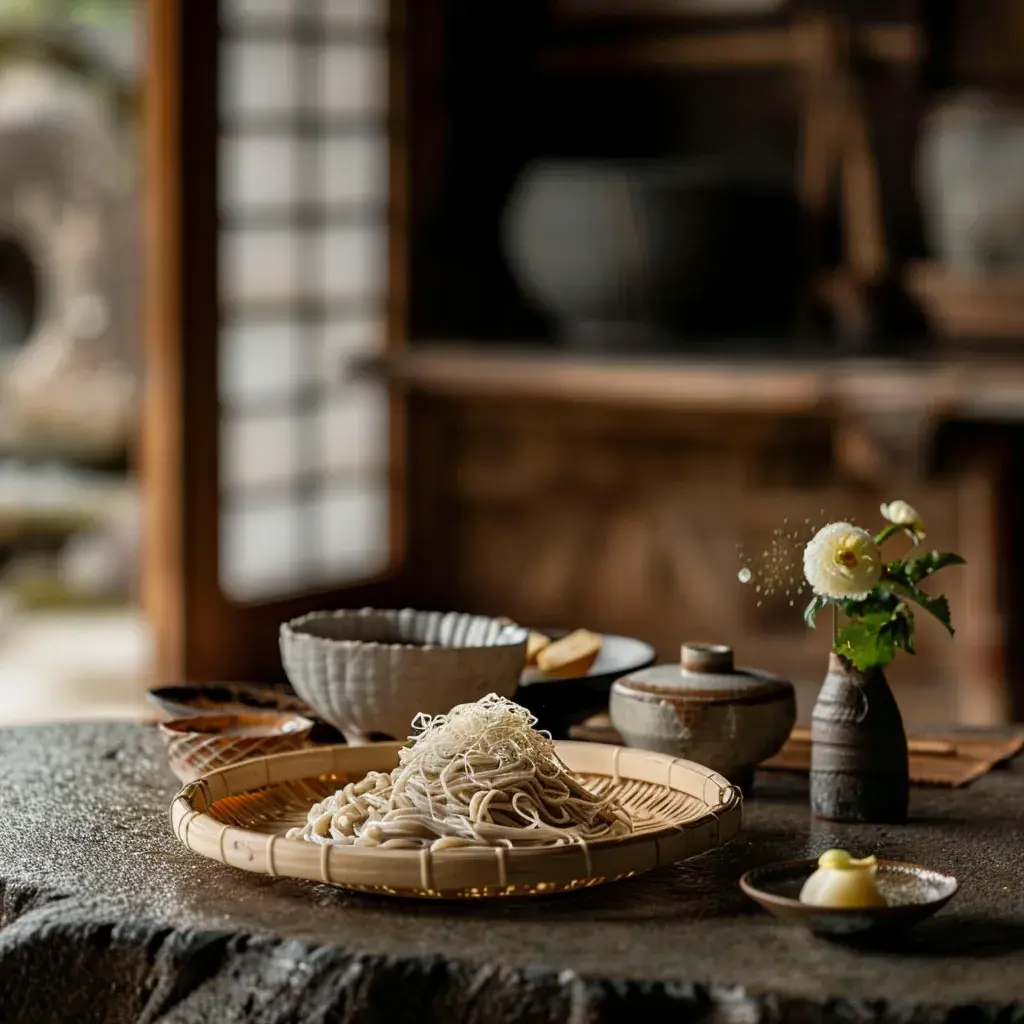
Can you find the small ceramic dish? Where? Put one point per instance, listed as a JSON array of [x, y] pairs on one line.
[[371, 671], [912, 893], [203, 743], [559, 703], [186, 700]]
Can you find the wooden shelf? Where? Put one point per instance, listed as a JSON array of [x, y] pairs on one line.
[[963, 307], [977, 389], [753, 49]]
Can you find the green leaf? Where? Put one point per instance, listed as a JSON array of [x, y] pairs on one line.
[[872, 641], [880, 600], [817, 604], [901, 626], [867, 643], [937, 606], [923, 564]]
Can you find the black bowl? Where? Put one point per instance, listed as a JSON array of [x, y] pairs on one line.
[[560, 703]]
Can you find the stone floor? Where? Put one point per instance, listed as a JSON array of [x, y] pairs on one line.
[[60, 666]]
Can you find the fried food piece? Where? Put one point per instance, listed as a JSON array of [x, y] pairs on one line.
[[571, 656], [535, 643]]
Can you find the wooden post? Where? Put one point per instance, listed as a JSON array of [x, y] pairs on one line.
[[982, 692]]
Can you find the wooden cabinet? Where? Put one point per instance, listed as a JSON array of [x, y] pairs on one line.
[[638, 521]]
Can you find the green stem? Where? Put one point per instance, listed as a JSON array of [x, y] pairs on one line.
[[835, 625], [890, 531]]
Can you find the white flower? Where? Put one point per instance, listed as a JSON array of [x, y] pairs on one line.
[[899, 513], [843, 562]]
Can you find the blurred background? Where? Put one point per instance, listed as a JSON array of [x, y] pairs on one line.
[[563, 310], [71, 638]]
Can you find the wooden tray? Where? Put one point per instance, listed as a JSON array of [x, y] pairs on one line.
[[239, 815], [936, 759]]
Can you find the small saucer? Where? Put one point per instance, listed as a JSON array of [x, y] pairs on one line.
[[912, 893], [187, 700]]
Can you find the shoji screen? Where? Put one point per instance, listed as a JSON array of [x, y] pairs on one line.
[[302, 280]]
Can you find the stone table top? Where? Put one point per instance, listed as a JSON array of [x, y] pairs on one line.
[[105, 917]]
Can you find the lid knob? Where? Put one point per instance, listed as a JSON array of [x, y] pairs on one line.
[[707, 658]]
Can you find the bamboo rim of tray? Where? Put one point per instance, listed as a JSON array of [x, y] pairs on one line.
[[238, 815]]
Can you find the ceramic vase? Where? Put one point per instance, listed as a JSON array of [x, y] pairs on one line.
[[859, 763], [972, 192]]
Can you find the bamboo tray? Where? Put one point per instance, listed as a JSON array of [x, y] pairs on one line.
[[239, 815]]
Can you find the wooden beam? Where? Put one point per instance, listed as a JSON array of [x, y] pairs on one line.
[[759, 49], [161, 453]]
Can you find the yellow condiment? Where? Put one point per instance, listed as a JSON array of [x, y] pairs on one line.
[[841, 881]]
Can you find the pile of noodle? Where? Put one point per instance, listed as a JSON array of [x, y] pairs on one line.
[[479, 776]]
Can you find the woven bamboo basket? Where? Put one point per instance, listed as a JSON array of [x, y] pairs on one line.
[[239, 815]]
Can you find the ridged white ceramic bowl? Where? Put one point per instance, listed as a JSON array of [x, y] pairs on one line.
[[370, 671]]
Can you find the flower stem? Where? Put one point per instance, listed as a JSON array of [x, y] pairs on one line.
[[835, 624], [890, 531]]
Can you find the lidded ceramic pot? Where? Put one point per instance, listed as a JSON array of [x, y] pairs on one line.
[[706, 710]]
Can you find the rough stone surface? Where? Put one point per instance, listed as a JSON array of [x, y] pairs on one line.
[[105, 917]]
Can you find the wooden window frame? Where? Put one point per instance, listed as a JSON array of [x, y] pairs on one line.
[[199, 634]]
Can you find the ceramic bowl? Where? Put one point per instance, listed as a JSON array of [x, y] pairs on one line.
[[911, 891], [203, 743], [370, 672]]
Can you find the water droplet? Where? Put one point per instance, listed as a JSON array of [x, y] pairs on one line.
[[790, 604], [745, 575], [757, 589]]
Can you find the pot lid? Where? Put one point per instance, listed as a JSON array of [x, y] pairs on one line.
[[705, 672]]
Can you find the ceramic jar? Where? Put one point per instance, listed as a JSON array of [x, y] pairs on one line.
[[637, 254], [706, 710], [969, 180]]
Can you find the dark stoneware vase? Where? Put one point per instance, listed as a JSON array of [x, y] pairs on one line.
[[859, 764]]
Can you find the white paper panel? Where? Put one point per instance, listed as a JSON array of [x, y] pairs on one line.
[[260, 362], [353, 80], [356, 13], [258, 78], [258, 173], [353, 429], [354, 169], [351, 262], [260, 549], [353, 532], [260, 451], [259, 265]]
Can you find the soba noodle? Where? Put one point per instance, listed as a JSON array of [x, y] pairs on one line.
[[479, 776]]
